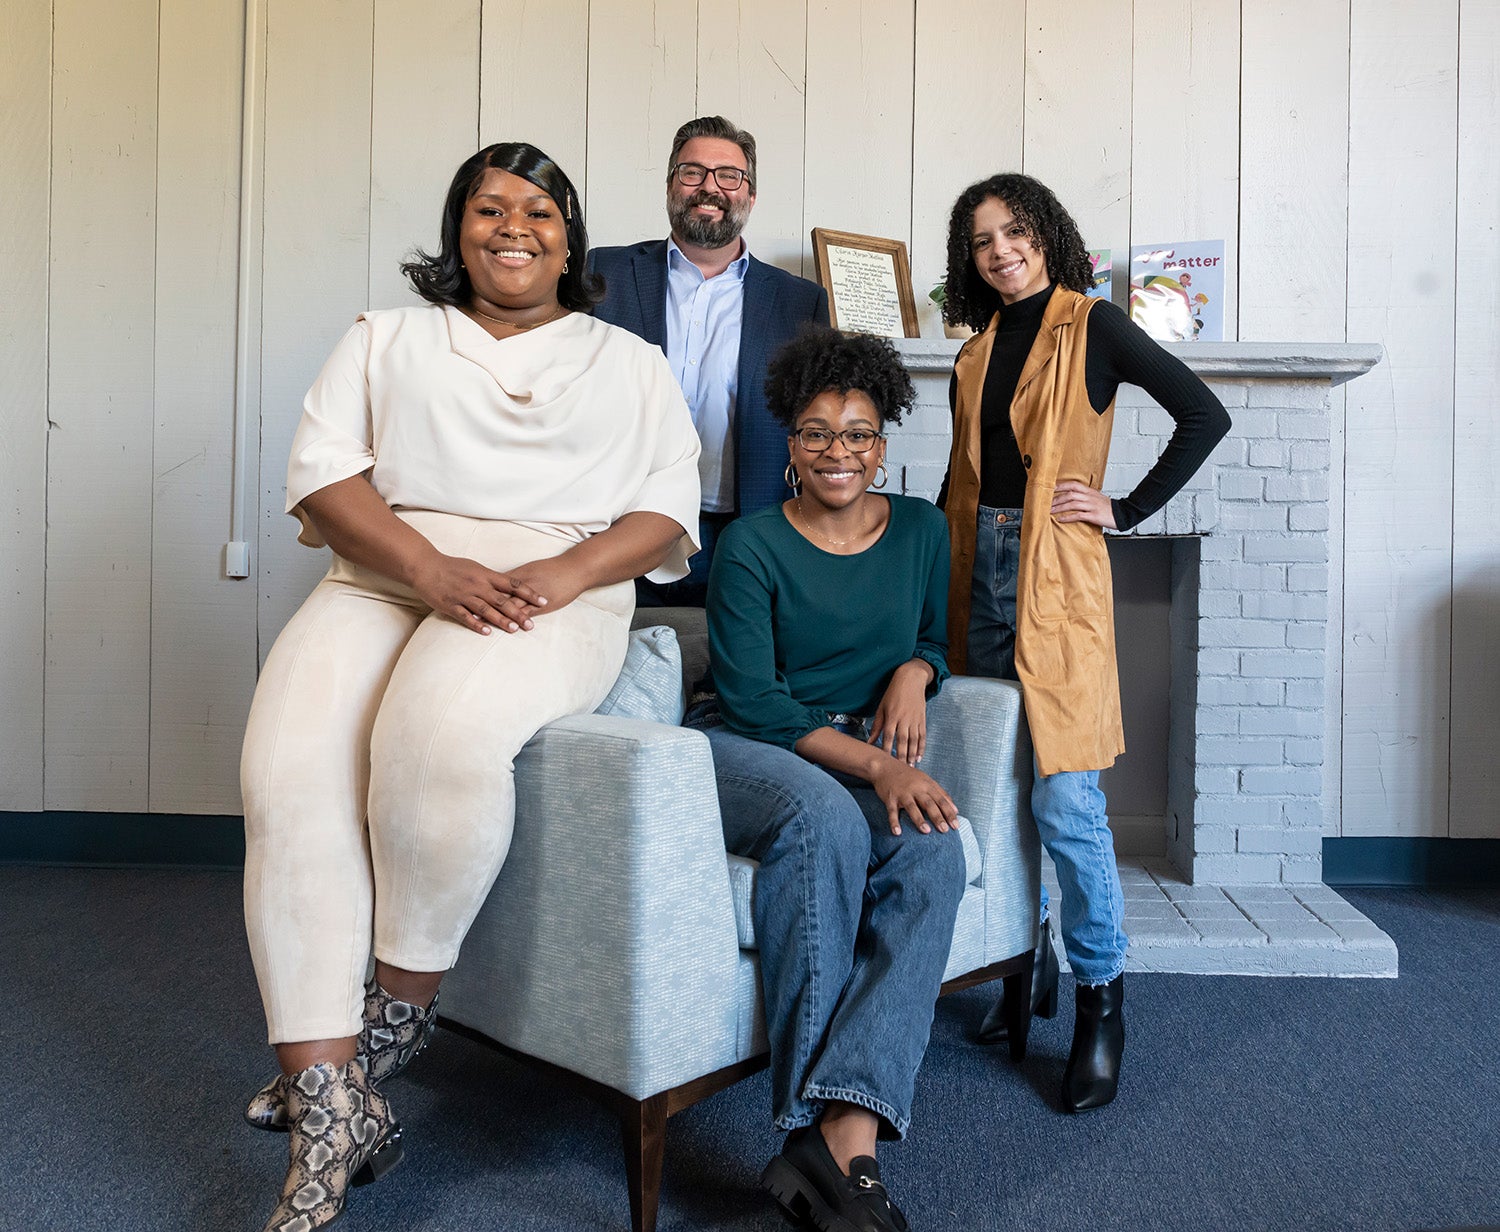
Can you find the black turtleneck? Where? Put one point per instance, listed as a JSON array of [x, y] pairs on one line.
[[1119, 353]]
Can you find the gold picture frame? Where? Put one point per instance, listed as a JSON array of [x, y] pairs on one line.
[[868, 280]]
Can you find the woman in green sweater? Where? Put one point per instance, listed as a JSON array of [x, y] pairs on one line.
[[827, 633]]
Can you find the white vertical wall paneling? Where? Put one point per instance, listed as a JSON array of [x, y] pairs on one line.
[[418, 136], [25, 138], [1078, 81], [1398, 531], [117, 335], [1185, 131], [202, 623], [964, 129], [1476, 547], [1294, 192], [859, 118], [316, 260], [643, 68], [752, 69], [1294, 242], [523, 42], [100, 383]]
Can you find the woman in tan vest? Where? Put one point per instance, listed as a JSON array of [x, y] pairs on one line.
[[1033, 398]]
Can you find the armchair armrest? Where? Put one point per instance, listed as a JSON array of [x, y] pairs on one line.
[[608, 944], [979, 748]]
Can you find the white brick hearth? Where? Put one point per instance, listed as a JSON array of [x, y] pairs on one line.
[[1240, 890], [1303, 929]]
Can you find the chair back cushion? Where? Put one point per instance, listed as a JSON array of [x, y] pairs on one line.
[[691, 627], [650, 684]]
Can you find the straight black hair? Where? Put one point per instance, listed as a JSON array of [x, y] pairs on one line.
[[442, 279]]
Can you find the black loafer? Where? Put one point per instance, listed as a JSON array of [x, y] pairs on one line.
[[807, 1183]]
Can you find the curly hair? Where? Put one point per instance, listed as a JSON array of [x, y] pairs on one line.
[[818, 360], [967, 298], [442, 279]]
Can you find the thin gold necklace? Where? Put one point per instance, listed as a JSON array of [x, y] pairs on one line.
[[842, 543], [520, 329]]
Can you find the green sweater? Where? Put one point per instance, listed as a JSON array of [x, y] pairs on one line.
[[796, 633]]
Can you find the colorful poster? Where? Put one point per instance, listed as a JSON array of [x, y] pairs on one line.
[[1103, 273], [1177, 290]]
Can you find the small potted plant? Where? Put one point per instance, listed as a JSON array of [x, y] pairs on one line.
[[939, 296]]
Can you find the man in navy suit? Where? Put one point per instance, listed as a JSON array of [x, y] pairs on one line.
[[719, 314]]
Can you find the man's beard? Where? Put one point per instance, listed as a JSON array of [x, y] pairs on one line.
[[708, 232]]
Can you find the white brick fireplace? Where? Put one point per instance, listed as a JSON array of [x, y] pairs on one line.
[[1249, 690]]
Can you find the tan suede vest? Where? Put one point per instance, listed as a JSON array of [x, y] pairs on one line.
[[1065, 616]]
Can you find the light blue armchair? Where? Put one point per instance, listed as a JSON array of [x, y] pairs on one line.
[[617, 943]]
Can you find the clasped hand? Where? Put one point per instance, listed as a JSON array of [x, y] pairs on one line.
[[482, 599]]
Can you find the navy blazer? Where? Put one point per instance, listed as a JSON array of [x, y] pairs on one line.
[[777, 305]]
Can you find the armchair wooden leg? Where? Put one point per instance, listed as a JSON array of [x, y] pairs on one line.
[[1018, 1009], [644, 1128]]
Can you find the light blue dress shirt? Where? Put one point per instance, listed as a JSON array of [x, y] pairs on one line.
[[703, 317]]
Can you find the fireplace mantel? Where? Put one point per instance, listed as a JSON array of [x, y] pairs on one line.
[[1334, 362]]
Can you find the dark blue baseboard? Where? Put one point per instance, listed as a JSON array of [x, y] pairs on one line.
[[174, 839], [1411, 861], [139, 839]]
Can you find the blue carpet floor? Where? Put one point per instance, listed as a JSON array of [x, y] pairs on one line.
[[133, 1037]]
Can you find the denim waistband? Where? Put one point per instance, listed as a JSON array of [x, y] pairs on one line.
[[854, 725], [989, 515], [703, 712]]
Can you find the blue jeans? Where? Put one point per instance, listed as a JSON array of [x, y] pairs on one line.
[[853, 925], [1068, 806]]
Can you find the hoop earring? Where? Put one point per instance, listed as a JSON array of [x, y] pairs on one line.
[[793, 480], [883, 475], [565, 263]]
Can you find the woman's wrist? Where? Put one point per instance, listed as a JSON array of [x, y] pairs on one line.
[[414, 555], [835, 750], [922, 670]]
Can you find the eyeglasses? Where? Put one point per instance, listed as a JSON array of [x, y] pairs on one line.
[[693, 174], [856, 440]]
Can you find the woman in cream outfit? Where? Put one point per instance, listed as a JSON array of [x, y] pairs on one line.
[[491, 469]]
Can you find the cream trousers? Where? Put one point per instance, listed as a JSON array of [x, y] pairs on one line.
[[377, 770]]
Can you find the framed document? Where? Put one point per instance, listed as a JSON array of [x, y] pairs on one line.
[[868, 281]]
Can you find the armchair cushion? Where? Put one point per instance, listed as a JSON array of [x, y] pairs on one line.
[[742, 872]]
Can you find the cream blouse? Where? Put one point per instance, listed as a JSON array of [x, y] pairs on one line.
[[565, 428]]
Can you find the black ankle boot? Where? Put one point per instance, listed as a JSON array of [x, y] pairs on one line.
[[1093, 1073], [995, 1029]]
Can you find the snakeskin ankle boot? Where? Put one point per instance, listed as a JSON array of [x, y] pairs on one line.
[[394, 1032], [340, 1133], [392, 1035]]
